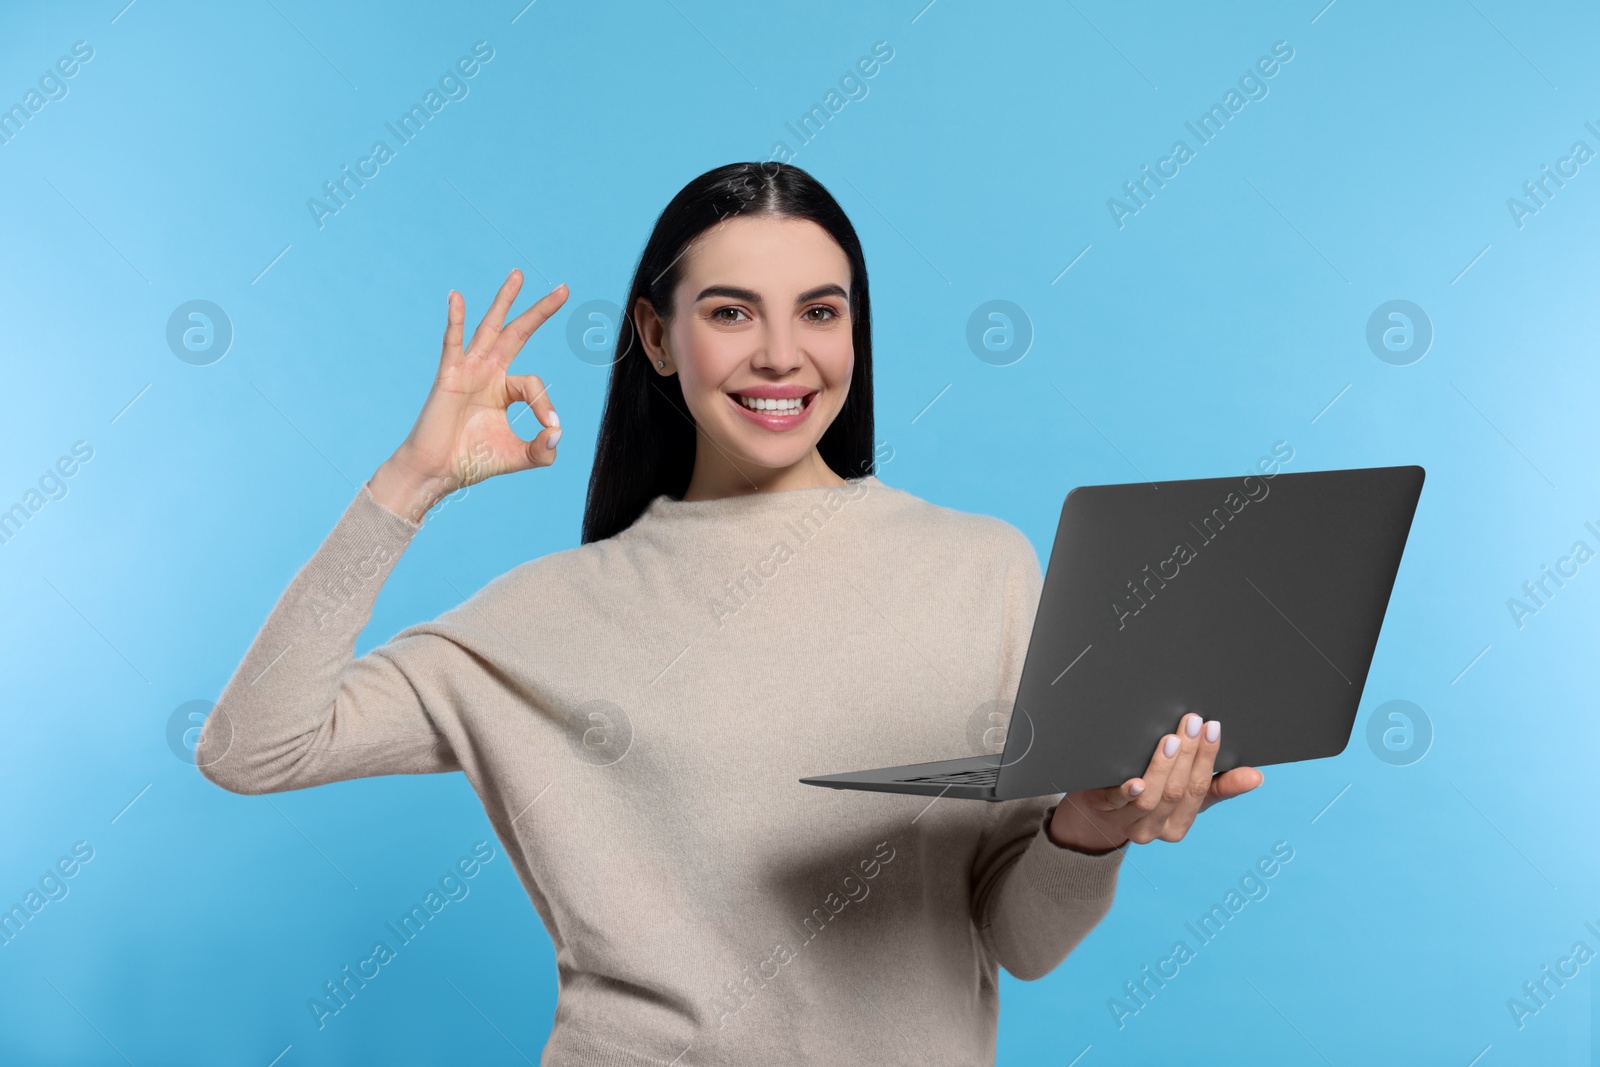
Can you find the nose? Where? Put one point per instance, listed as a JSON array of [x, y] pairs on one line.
[[778, 350]]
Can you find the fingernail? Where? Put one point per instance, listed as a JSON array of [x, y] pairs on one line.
[[1191, 726], [1171, 747], [555, 420], [1213, 731], [1136, 788], [550, 442]]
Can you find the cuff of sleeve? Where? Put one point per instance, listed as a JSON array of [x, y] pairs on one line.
[[379, 520], [355, 558], [1064, 874]]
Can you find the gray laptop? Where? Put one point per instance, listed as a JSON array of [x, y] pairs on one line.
[[1253, 600]]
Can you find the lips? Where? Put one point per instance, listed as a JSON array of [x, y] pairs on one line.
[[775, 408]]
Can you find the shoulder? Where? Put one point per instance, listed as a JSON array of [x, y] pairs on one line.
[[548, 583], [980, 536]]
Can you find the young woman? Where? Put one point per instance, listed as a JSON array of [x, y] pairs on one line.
[[750, 604]]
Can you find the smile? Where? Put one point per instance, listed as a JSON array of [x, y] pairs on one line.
[[776, 413], [781, 407]]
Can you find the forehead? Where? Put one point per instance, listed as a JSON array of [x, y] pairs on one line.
[[767, 254]]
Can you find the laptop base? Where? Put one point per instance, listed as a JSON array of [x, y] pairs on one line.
[[969, 778]]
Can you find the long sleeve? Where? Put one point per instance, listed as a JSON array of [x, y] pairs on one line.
[[1033, 901], [1037, 900], [301, 709]]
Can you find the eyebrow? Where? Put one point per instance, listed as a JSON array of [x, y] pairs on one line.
[[750, 296]]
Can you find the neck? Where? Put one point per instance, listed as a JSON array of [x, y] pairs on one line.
[[718, 477]]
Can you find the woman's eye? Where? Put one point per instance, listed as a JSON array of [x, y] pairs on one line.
[[831, 314], [717, 314]]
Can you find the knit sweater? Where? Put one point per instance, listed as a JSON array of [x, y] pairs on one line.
[[635, 714]]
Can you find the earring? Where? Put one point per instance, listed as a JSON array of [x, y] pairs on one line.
[[661, 363]]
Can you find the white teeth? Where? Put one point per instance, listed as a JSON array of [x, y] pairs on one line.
[[777, 407]]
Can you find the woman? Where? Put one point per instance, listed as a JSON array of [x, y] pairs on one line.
[[750, 604]]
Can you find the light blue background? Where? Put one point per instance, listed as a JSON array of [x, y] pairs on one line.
[[1223, 317]]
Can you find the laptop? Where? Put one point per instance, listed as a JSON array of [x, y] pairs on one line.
[[1255, 600]]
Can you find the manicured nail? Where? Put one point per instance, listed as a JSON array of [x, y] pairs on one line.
[[555, 420], [1171, 747], [1136, 788], [1213, 731], [550, 442], [1191, 725]]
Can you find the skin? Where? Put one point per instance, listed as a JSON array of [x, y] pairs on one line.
[[776, 312]]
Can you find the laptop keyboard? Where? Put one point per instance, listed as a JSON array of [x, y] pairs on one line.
[[982, 776]]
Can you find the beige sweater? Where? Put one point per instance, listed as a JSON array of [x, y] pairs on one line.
[[635, 714]]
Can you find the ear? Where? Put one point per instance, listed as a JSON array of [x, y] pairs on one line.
[[652, 334]]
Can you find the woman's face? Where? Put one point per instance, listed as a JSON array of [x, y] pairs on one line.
[[760, 339]]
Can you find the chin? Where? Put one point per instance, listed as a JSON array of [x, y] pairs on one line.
[[774, 460]]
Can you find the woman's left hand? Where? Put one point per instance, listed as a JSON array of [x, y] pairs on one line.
[[1177, 786]]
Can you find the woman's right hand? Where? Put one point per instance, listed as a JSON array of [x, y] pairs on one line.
[[463, 435]]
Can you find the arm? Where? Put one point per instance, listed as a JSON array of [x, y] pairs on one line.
[[1033, 899], [300, 710], [1044, 877]]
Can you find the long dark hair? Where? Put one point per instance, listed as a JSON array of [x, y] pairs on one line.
[[646, 443]]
